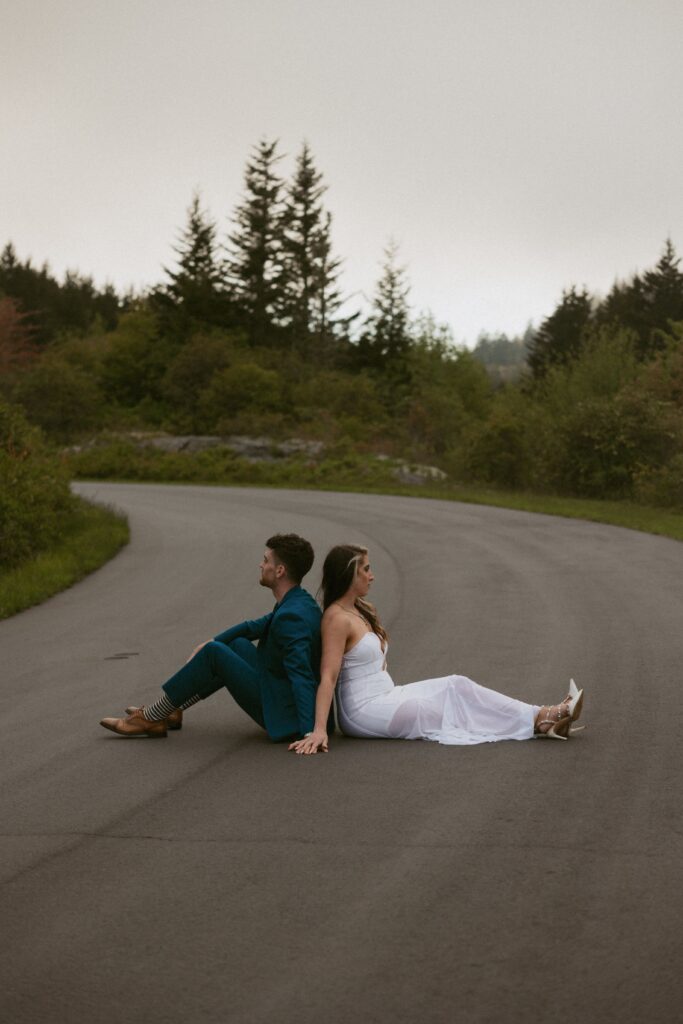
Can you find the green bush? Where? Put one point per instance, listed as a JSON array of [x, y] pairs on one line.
[[135, 361], [191, 372], [35, 501], [59, 397], [236, 389], [331, 404], [92, 535], [605, 422], [497, 450], [602, 425], [661, 485]]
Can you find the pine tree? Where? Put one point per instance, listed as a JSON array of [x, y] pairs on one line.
[[561, 335], [648, 304], [196, 292], [386, 336], [309, 297], [253, 266], [8, 259], [36, 293], [327, 298], [663, 289], [52, 308], [626, 306]]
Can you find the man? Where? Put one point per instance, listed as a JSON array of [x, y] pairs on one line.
[[275, 682]]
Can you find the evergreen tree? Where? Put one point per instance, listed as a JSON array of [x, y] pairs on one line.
[[77, 300], [663, 289], [52, 308], [327, 298], [647, 304], [309, 297], [196, 292], [9, 266], [253, 265], [561, 335], [626, 306], [385, 341]]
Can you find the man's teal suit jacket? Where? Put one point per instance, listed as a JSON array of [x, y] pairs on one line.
[[288, 659]]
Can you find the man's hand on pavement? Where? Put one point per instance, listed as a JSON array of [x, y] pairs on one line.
[[311, 743]]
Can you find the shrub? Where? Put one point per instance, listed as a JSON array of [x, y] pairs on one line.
[[135, 360], [607, 422], [332, 404], [497, 449], [35, 501], [60, 398], [190, 373], [241, 387], [661, 485]]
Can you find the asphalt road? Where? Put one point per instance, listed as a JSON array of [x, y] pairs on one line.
[[214, 877]]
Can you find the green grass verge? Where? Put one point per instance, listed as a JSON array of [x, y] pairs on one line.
[[665, 522], [93, 536], [661, 521], [348, 470]]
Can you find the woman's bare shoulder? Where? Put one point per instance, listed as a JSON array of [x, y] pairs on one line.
[[334, 618]]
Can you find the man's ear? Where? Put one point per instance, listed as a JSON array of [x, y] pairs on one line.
[[280, 570]]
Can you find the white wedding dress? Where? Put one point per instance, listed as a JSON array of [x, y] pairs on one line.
[[451, 709]]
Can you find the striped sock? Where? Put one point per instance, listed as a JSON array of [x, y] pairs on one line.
[[159, 710], [162, 708], [190, 702]]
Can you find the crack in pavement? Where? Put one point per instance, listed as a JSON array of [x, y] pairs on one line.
[[580, 847]]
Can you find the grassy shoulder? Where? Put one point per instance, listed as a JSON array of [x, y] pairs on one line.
[[662, 521], [93, 536], [352, 472]]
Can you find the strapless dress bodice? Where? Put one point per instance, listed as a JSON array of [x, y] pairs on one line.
[[363, 672], [363, 659]]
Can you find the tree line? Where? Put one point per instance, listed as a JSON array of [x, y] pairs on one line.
[[253, 336]]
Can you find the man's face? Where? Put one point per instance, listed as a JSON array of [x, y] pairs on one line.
[[271, 569]]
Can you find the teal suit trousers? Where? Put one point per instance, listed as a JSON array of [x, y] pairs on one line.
[[233, 666]]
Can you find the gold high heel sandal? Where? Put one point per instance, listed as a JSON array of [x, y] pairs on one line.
[[559, 725]]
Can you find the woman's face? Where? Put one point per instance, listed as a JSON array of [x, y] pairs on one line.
[[364, 576]]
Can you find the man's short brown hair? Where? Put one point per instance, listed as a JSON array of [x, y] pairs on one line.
[[292, 551]]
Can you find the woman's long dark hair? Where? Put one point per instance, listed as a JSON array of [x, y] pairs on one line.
[[339, 569]]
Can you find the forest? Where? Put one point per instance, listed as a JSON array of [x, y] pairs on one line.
[[249, 332]]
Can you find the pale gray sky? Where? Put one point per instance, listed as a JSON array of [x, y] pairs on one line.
[[511, 147]]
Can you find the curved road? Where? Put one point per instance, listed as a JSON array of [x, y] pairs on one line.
[[216, 878]]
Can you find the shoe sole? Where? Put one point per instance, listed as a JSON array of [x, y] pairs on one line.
[[135, 735]]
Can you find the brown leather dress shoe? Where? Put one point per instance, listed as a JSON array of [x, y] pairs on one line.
[[134, 725], [174, 720]]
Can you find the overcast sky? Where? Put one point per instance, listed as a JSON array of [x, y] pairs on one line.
[[511, 147]]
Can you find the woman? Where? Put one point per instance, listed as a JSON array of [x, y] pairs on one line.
[[452, 709]]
